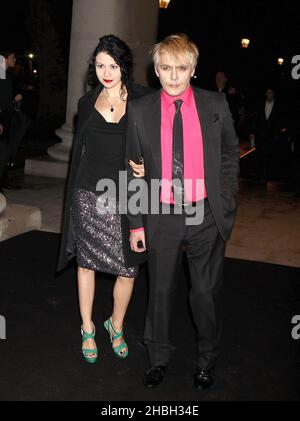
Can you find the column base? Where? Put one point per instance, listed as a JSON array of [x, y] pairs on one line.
[[61, 151]]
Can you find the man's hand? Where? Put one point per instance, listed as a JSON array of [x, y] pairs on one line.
[[138, 169], [135, 237], [1, 129], [18, 97]]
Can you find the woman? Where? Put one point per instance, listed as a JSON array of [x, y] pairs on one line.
[[99, 238]]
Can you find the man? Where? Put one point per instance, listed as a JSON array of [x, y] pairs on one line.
[[233, 96], [3, 151], [14, 123], [8, 65], [267, 126], [6, 101], [209, 160], [294, 129]]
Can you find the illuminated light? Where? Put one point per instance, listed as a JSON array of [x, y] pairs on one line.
[[245, 42], [163, 4], [280, 61]]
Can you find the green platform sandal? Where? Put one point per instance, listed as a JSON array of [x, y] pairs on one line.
[[86, 352], [114, 335]]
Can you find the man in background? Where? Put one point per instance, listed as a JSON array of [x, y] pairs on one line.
[[14, 122], [266, 130], [234, 98]]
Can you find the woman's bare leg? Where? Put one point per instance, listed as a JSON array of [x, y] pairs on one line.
[[86, 292], [122, 294]]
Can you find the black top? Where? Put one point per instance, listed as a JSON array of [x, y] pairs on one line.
[[104, 151]]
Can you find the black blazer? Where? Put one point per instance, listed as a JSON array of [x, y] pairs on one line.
[[67, 245], [268, 128], [220, 148]]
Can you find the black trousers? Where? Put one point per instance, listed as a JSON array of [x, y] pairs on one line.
[[18, 127], [205, 253], [4, 154]]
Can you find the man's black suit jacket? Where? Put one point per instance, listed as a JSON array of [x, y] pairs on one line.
[[220, 148], [268, 129]]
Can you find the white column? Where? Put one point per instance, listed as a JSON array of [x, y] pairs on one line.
[[3, 203], [134, 21]]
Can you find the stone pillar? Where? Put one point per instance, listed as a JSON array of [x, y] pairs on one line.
[[2, 203], [134, 21]]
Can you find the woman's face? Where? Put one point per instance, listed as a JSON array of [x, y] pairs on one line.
[[107, 70]]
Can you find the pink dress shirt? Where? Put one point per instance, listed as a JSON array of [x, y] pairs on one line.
[[194, 185]]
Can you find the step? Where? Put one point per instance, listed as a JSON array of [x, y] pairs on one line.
[[18, 219], [46, 167]]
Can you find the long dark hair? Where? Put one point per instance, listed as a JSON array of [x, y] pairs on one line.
[[119, 51]]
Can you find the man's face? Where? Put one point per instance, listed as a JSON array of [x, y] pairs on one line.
[[174, 73], [11, 61], [269, 95], [221, 79]]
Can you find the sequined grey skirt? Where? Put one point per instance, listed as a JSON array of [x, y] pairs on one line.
[[98, 235]]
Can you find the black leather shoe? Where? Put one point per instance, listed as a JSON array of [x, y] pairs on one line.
[[154, 376], [204, 378]]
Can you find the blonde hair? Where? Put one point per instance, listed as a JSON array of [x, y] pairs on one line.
[[177, 45]]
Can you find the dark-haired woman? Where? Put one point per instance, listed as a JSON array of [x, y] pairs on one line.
[[94, 231]]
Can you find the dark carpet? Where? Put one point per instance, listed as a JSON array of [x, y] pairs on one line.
[[41, 356]]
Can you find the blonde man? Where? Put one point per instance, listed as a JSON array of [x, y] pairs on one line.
[[186, 138]]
